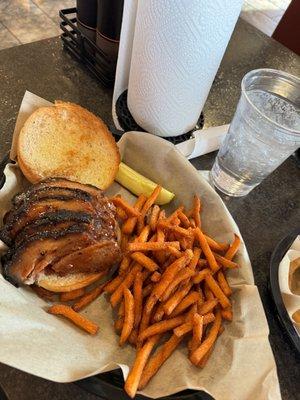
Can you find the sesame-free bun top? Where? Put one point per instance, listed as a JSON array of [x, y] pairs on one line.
[[66, 140]]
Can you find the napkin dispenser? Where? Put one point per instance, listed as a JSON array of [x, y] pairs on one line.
[[168, 57]]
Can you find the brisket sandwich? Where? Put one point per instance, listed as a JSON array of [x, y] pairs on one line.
[[61, 235]]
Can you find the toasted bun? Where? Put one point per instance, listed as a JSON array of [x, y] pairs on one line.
[[56, 283], [66, 140]]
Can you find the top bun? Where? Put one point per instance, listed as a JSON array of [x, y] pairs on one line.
[[66, 140]]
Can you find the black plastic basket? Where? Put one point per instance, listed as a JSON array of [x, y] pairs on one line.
[[109, 386], [128, 123]]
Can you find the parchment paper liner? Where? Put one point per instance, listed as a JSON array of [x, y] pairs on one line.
[[242, 365]]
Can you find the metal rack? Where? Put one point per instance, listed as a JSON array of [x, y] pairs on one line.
[[85, 50]]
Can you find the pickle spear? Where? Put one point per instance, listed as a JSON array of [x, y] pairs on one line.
[[138, 184]]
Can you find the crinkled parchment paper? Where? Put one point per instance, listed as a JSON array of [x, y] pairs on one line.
[[242, 365], [288, 277]]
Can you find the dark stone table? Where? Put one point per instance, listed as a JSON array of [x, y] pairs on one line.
[[266, 215]]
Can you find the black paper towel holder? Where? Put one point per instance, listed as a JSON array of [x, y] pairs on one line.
[[128, 123]]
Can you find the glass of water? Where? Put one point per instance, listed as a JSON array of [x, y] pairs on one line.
[[265, 130]]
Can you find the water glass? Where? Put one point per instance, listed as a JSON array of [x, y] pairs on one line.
[[265, 130]]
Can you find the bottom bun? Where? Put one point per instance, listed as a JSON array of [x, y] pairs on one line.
[[56, 283]]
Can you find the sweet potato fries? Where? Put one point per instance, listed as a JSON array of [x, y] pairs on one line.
[[171, 287]]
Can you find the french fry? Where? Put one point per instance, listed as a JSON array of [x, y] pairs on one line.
[[205, 358], [154, 217], [140, 225], [128, 316], [140, 201], [196, 211], [77, 319], [147, 290], [227, 314], [121, 310], [116, 297], [135, 373], [172, 218], [189, 300], [188, 326], [197, 332], [174, 252], [176, 221], [161, 327], [129, 225], [208, 306], [174, 228], [159, 313], [183, 329], [148, 204], [150, 201], [204, 347], [143, 326], [132, 338], [201, 275], [217, 291], [152, 246], [224, 284], [124, 266], [146, 274], [129, 210], [184, 244], [121, 213], [231, 252], [153, 238], [224, 262], [145, 261], [160, 236], [157, 360], [112, 285], [169, 274], [194, 261], [162, 215], [191, 239], [184, 274], [206, 249], [87, 298], [143, 235], [183, 219], [208, 294], [118, 325], [201, 295], [214, 245], [192, 223], [192, 311], [138, 298], [155, 277], [174, 301], [124, 242]]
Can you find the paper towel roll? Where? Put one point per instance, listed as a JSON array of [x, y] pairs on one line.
[[177, 48]]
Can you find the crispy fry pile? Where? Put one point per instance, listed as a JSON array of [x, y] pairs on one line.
[[171, 286]]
